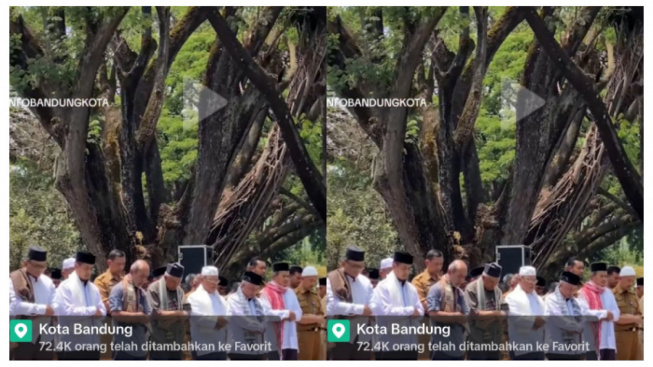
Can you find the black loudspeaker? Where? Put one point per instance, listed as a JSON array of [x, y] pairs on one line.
[[511, 258], [193, 258]]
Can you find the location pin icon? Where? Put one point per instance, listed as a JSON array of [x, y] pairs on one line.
[[338, 330], [20, 330]]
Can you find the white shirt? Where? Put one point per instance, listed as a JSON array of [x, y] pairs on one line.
[[609, 303], [12, 298], [361, 294], [392, 298], [204, 317], [289, 327], [44, 291], [521, 321], [74, 298], [385, 305]]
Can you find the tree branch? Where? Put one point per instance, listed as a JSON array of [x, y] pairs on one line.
[[616, 200], [465, 128], [624, 170], [20, 58], [304, 166], [337, 58], [304, 224], [147, 128], [608, 238], [298, 200]]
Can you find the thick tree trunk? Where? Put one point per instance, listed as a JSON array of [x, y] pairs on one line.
[[631, 181], [222, 134], [243, 209], [304, 166]]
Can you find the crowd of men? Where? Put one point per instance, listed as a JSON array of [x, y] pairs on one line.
[[284, 317], [600, 318]]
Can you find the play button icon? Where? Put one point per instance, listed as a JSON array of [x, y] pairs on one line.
[[200, 102]]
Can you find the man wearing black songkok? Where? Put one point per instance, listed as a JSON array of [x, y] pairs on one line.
[[34, 295], [350, 294], [483, 299]]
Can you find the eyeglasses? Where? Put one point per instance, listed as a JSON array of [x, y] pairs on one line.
[[356, 265], [529, 280], [38, 265]]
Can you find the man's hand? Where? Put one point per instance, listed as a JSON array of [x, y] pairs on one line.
[[220, 323], [367, 311], [417, 313], [461, 318], [49, 311], [98, 312], [292, 316], [539, 322], [610, 316]]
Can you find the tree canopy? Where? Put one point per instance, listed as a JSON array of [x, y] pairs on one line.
[[485, 163], [164, 163]]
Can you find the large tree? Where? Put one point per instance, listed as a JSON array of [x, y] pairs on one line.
[[432, 180], [110, 168]]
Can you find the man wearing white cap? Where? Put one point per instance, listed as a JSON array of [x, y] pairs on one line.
[[208, 317], [627, 327], [526, 321], [67, 267], [312, 322], [386, 267]]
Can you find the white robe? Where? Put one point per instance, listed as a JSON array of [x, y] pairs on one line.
[[362, 293], [13, 301], [391, 298], [609, 303], [289, 327], [523, 310], [73, 298], [44, 291], [205, 310]]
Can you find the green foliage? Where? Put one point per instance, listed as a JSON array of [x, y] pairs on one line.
[[310, 251], [178, 147], [495, 125], [38, 215], [311, 134], [629, 134], [623, 252], [357, 216]]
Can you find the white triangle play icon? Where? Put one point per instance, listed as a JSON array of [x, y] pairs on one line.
[[517, 102], [200, 102]]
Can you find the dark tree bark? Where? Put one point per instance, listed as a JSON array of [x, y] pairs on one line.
[[102, 182], [223, 133], [304, 166], [630, 180]]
